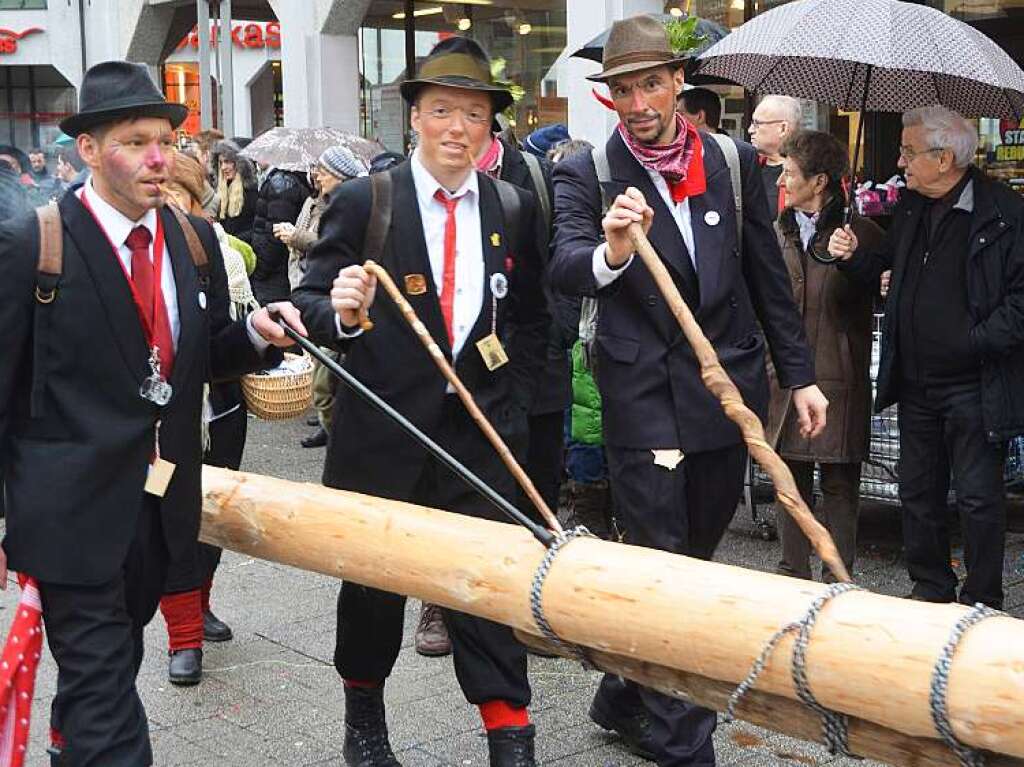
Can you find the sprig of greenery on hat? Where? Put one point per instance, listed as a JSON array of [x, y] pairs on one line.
[[517, 91], [683, 35]]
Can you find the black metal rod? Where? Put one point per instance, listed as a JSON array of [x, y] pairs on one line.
[[546, 537]]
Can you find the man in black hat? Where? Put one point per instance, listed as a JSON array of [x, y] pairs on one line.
[[676, 462], [105, 357], [469, 267]]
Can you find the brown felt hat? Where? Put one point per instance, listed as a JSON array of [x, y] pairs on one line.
[[457, 62], [634, 44]]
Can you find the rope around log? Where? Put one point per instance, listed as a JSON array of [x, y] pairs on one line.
[[937, 698], [835, 726], [537, 595], [718, 383]]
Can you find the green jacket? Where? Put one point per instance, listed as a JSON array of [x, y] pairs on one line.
[[586, 401]]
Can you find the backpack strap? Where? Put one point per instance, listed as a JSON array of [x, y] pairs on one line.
[[49, 267], [381, 199], [732, 159], [510, 207], [604, 174], [195, 245], [539, 186]]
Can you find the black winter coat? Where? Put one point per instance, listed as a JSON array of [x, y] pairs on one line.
[[241, 225], [280, 200], [995, 298]]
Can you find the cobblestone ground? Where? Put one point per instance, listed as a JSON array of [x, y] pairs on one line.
[[272, 697]]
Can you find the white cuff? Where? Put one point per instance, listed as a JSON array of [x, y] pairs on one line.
[[259, 342], [604, 275], [341, 331]]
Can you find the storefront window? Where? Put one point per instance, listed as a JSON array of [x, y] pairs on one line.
[[22, 5], [33, 100], [528, 38]]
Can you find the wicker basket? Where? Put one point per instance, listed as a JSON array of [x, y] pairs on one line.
[[278, 397]]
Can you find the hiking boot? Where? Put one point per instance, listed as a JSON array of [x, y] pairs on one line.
[[366, 730], [431, 634], [511, 746]]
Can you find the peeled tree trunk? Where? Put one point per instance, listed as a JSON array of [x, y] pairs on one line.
[[870, 656]]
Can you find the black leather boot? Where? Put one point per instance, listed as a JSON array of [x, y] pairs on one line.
[[632, 727], [511, 746], [214, 629], [366, 730], [185, 667]]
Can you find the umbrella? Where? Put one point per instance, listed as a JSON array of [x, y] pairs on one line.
[[63, 140], [299, 148], [711, 31]]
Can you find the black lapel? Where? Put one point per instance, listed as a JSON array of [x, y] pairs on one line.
[[187, 289], [709, 240], [409, 248], [664, 234], [111, 285], [493, 247]]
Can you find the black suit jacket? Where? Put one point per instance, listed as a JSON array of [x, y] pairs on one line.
[[367, 453], [647, 374], [75, 469]]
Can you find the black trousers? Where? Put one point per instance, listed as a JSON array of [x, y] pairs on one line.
[[490, 663], [687, 511], [545, 458], [95, 635], [941, 429]]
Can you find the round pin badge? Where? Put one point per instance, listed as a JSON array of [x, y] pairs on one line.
[[499, 285], [711, 218], [202, 299]]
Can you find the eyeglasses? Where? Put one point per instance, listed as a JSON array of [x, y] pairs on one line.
[[758, 123], [910, 154], [651, 86], [445, 114]]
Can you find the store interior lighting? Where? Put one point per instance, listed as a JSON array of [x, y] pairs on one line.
[[465, 23], [432, 11], [525, 28]]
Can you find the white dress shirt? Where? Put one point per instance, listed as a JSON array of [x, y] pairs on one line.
[[604, 275], [117, 227]]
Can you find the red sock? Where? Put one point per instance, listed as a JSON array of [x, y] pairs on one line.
[[207, 588], [499, 713], [184, 615], [362, 683]]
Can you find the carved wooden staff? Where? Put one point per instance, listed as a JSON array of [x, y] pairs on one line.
[[467, 399], [718, 383]]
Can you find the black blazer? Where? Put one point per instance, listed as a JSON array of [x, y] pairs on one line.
[[75, 472], [646, 372], [367, 453]]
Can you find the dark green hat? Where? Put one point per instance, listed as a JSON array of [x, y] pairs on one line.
[[458, 62]]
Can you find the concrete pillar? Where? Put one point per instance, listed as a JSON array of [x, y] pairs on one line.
[[585, 19]]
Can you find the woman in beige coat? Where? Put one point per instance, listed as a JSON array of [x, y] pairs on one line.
[[837, 317]]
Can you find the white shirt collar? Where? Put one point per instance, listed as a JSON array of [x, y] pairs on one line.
[[808, 223], [115, 223], [427, 185]]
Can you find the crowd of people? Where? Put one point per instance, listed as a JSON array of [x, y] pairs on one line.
[[518, 258]]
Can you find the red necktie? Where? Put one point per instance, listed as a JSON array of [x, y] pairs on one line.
[[151, 296], [448, 278]]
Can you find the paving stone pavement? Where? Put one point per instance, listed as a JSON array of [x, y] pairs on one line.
[[271, 696]]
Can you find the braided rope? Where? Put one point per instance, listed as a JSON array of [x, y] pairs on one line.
[[537, 595], [835, 726], [937, 698]]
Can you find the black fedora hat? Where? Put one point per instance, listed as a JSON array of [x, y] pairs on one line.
[[114, 89], [458, 62]]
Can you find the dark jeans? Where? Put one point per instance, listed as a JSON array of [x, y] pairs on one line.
[[95, 635], [840, 491], [687, 511], [941, 429]]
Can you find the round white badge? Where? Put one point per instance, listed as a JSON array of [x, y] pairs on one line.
[[202, 299], [499, 285], [711, 218]]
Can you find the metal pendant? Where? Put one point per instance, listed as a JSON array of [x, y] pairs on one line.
[[155, 388]]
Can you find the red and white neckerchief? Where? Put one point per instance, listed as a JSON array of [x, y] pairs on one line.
[[18, 666]]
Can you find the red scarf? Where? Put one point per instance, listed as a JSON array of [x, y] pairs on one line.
[[680, 163], [490, 163], [18, 666]]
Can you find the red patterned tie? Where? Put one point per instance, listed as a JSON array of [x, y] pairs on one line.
[[448, 278], [143, 276]]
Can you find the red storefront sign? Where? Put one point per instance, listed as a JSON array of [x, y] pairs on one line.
[[249, 35], [9, 39]]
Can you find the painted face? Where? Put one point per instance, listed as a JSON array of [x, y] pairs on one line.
[[802, 192], [453, 125], [228, 170], [646, 103], [130, 163]]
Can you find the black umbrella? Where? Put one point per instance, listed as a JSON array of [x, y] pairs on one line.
[[711, 31]]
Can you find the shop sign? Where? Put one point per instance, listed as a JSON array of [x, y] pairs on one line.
[[9, 39], [1012, 148], [249, 35]]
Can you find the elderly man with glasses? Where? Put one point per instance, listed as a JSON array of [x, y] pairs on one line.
[[951, 350], [775, 120]]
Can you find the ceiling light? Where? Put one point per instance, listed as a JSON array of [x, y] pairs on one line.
[[465, 23], [738, 5], [525, 28], [478, 2], [676, 11], [420, 12]]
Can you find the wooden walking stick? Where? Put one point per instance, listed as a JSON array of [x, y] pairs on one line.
[[718, 383], [467, 399]]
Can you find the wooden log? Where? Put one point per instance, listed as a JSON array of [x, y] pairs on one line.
[[870, 656], [775, 712]]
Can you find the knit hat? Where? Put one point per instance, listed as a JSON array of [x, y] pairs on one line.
[[542, 139], [341, 163]]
